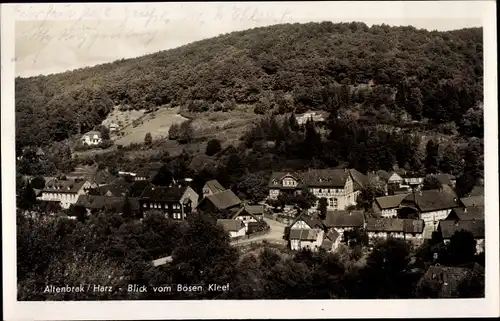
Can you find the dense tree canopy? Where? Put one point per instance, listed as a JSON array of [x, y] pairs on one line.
[[436, 75]]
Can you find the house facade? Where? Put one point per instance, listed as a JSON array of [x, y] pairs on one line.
[[174, 202], [305, 232], [92, 138], [340, 187], [66, 192], [249, 214], [383, 228], [343, 221], [235, 228], [387, 206]]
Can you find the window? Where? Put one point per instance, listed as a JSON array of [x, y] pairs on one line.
[[335, 203], [145, 205], [330, 202], [320, 190]]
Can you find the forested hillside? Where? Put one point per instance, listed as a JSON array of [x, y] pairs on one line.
[[283, 68]]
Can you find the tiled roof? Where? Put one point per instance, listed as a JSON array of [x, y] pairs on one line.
[[388, 202], [320, 178], [215, 186], [332, 235], [225, 199], [473, 201], [108, 202], [251, 210], [449, 227], [92, 132], [434, 200], [313, 222], [63, 186], [469, 213], [394, 225], [449, 278], [163, 193], [230, 225], [344, 219], [444, 179], [304, 234], [477, 191]]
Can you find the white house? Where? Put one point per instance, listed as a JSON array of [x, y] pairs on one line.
[[387, 206], [383, 228], [249, 213], [64, 191], [342, 221], [92, 138], [340, 187], [430, 206], [313, 116], [306, 239], [235, 228]]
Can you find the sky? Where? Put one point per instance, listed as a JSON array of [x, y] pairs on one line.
[[52, 38]]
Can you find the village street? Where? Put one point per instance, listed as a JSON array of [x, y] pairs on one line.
[[275, 234]]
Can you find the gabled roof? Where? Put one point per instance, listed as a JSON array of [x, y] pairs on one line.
[[444, 179], [304, 234], [251, 210], [449, 279], [344, 219], [477, 191], [332, 235], [63, 186], [108, 202], [163, 193], [434, 200], [392, 201], [214, 186], [92, 132], [394, 225], [312, 221], [468, 213], [224, 200], [321, 178], [472, 201], [449, 227], [230, 225]]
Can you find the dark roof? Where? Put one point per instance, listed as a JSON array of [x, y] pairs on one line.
[[444, 179], [93, 132], [312, 221], [394, 225], [449, 227], [147, 172], [332, 235], [449, 279], [163, 193], [477, 191], [251, 210], [469, 213], [393, 201], [108, 202], [115, 190], [224, 200], [344, 219], [215, 186], [472, 201], [304, 234], [63, 186], [231, 225], [434, 200], [320, 177]]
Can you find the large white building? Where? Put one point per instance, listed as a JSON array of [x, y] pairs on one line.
[[66, 192], [340, 187]]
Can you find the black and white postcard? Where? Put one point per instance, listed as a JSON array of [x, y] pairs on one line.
[[249, 160]]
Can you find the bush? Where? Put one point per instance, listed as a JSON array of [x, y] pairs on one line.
[[213, 147], [106, 144]]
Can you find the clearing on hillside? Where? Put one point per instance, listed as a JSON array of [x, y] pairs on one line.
[[157, 123]]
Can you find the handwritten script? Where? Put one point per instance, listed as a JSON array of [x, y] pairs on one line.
[[85, 24]]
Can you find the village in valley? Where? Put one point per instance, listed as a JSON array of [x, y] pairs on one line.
[[338, 181]]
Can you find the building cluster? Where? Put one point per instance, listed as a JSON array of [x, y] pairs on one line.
[[100, 191], [410, 213]]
